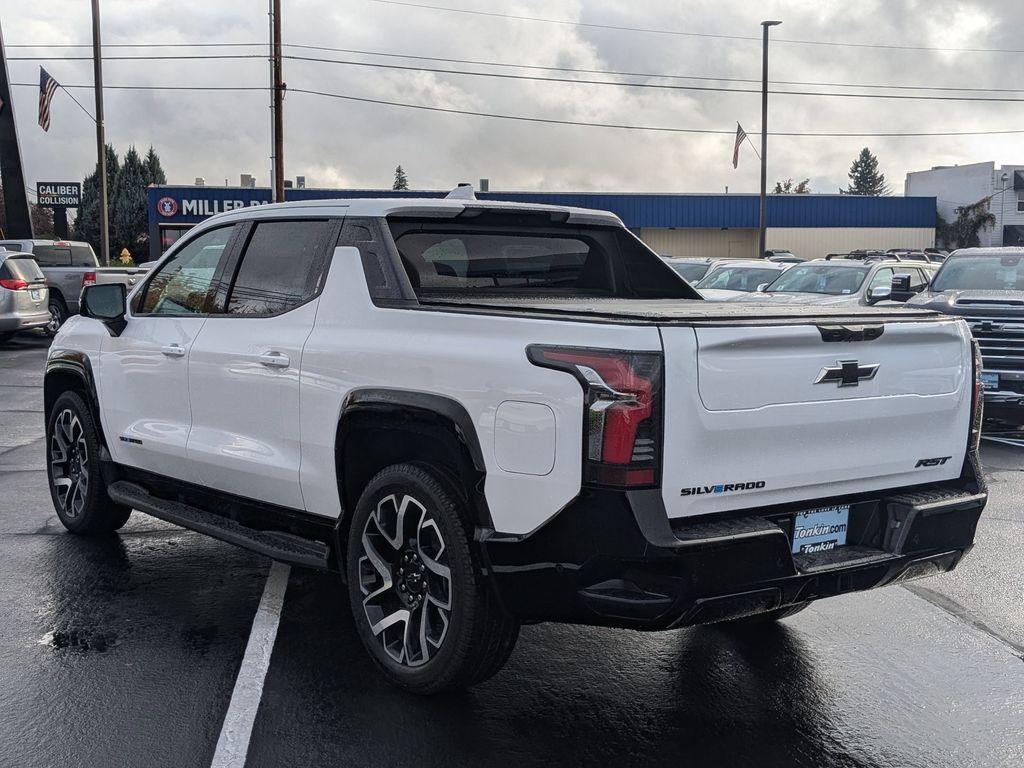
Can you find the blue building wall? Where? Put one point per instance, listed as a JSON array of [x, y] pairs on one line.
[[189, 205]]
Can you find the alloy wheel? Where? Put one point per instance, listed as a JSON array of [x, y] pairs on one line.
[[56, 320], [69, 463], [405, 580]]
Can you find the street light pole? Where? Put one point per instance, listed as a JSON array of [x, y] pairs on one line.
[[278, 101], [763, 218]]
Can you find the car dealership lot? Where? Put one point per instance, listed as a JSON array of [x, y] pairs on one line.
[[125, 651]]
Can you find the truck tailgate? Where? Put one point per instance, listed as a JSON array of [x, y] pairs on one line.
[[760, 415]]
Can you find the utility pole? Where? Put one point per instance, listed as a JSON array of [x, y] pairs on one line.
[[278, 99], [101, 149], [763, 219]]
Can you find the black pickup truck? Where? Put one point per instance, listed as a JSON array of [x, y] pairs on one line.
[[985, 286]]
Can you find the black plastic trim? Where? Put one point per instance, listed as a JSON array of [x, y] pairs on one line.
[[79, 365]]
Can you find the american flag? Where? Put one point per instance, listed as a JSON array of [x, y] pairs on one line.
[[740, 136], [47, 87]]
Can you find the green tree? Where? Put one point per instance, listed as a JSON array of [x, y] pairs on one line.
[[865, 178], [788, 188], [87, 220], [401, 180], [152, 171], [128, 209], [965, 230]]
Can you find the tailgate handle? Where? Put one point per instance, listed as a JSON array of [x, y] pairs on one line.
[[850, 333]]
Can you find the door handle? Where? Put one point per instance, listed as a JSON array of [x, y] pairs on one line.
[[173, 350], [274, 360]]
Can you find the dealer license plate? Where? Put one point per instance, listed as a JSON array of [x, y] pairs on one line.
[[990, 381], [819, 530]]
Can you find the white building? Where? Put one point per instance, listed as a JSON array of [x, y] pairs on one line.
[[958, 185]]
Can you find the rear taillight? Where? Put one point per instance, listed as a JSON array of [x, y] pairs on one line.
[[977, 398], [89, 278], [622, 396], [12, 284]]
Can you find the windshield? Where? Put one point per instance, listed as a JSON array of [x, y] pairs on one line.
[[829, 279], [738, 278], [690, 272], [980, 273]]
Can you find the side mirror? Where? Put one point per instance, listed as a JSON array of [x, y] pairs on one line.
[[106, 303], [901, 288], [762, 287], [879, 293]]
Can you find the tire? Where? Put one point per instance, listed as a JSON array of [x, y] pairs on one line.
[[77, 488], [58, 316], [425, 632], [6, 336], [766, 618]]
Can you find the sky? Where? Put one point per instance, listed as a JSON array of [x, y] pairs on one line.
[[337, 143]]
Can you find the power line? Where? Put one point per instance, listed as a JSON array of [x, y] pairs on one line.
[[477, 62], [656, 86], [660, 129], [160, 87], [681, 33], [137, 45], [620, 73]]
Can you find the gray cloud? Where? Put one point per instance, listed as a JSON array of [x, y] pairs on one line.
[[351, 144]]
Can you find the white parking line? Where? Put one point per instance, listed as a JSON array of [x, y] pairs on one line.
[[233, 744]]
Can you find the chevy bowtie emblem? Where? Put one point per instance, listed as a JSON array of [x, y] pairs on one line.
[[847, 373]]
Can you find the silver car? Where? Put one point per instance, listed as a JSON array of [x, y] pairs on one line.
[[24, 296]]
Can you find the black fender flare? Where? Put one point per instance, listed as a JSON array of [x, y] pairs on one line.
[[77, 364]]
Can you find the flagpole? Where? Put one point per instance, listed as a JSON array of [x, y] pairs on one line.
[[763, 218], [101, 152]]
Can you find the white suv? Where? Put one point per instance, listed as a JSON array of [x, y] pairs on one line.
[[481, 414]]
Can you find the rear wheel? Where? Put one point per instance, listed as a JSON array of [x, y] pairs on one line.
[[58, 315], [421, 605], [76, 484]]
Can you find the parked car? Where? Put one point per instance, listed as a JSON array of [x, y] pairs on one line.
[[23, 295], [783, 256], [69, 266], [729, 279], [906, 254], [515, 415], [985, 286], [691, 270], [845, 282]]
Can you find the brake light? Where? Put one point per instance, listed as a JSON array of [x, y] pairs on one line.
[[622, 395], [89, 278], [977, 397], [13, 284]]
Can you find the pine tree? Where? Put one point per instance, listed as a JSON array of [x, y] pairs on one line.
[[128, 218], [401, 180], [865, 178], [87, 220], [152, 171]]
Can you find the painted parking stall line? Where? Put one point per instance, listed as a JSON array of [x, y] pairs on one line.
[[233, 743]]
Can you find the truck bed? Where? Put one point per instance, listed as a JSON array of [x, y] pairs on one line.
[[674, 311]]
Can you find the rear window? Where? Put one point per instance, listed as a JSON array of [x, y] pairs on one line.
[[82, 256], [20, 268], [444, 260], [52, 255]]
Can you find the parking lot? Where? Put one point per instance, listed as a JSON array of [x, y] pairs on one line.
[[125, 650]]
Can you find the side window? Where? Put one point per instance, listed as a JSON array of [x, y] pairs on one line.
[[918, 281], [51, 255], [182, 284], [82, 256], [282, 267], [882, 277]]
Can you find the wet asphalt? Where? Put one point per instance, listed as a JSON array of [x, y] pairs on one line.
[[123, 650]]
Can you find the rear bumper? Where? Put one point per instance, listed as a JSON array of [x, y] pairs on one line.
[[614, 559], [23, 321], [1007, 407]]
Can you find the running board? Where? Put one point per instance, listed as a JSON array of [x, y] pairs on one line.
[[285, 547]]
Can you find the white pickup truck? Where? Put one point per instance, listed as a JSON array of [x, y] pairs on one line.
[[484, 414]]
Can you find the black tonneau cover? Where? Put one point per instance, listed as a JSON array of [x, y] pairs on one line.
[[674, 311]]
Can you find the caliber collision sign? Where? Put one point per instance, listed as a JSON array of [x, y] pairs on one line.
[[59, 194]]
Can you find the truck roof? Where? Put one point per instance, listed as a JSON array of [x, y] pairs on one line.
[[410, 206]]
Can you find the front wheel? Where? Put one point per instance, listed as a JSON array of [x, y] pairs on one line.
[[421, 605], [76, 484]]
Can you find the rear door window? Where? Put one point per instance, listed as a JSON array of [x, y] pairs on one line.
[[281, 267]]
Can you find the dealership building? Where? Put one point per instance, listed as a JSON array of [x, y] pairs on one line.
[[954, 186], [714, 225]]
